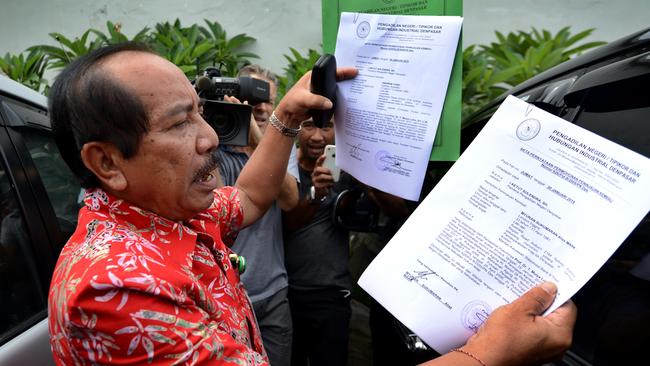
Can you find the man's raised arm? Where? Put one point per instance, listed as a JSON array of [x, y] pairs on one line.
[[260, 181]]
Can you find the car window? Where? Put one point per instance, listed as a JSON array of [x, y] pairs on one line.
[[620, 112], [20, 298], [613, 318], [62, 187]]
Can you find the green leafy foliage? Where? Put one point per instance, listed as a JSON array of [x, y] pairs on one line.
[[116, 36], [230, 53], [490, 70], [297, 67], [190, 48], [66, 49], [183, 46], [26, 68], [481, 81]]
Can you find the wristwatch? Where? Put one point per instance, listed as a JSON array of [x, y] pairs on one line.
[[312, 196]]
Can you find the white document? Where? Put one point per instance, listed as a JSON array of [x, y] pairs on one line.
[[387, 117], [533, 198]]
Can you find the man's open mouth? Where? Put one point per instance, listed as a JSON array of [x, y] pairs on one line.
[[206, 173]]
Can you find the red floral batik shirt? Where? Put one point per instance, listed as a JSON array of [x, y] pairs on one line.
[[131, 287]]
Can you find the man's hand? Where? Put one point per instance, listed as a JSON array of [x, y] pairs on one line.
[[321, 178], [517, 334], [254, 132], [294, 107], [260, 181]]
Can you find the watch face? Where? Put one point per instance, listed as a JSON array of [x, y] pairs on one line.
[[528, 129], [363, 29]]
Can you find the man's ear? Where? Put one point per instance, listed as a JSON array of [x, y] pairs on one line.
[[104, 160]]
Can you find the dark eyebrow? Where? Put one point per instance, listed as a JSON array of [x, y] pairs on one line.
[[178, 109]]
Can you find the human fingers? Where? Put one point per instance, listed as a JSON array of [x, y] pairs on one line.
[[517, 333], [315, 101], [537, 299], [344, 73], [231, 99], [322, 176], [557, 331], [320, 160], [564, 316], [294, 107]]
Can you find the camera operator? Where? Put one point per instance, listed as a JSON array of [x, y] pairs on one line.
[[262, 244]]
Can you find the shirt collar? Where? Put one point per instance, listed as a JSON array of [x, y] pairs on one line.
[[101, 201], [154, 227]]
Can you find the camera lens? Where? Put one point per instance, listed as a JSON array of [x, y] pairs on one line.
[[224, 124], [230, 121]]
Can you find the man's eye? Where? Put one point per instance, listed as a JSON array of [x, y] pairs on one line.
[[180, 124]]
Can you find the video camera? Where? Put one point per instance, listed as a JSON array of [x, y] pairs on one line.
[[230, 121]]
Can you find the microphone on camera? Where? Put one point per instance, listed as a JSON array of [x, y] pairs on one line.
[[203, 83]]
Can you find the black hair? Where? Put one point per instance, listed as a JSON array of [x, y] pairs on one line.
[[87, 104]]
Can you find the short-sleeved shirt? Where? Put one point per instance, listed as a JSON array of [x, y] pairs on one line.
[[133, 287]]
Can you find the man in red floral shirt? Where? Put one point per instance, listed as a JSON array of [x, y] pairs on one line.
[[147, 276]]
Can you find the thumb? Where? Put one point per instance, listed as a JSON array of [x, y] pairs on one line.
[[320, 160], [315, 101], [537, 299]]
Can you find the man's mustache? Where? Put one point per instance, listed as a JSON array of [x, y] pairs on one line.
[[211, 164]]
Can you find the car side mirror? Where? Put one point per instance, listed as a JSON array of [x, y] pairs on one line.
[[355, 211]]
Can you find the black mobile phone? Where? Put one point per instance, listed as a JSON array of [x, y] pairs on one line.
[[323, 82]]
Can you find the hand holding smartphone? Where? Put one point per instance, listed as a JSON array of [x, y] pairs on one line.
[[323, 82], [330, 162]]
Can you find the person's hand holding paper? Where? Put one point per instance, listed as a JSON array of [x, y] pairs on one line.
[[509, 214]]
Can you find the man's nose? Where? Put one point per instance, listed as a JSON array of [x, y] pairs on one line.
[[260, 108], [207, 140], [318, 135]]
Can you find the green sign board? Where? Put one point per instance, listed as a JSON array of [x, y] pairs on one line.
[[446, 146]]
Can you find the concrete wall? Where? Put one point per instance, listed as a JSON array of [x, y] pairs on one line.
[[280, 24], [611, 19]]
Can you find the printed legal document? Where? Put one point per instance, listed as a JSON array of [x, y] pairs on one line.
[[533, 198], [386, 118]]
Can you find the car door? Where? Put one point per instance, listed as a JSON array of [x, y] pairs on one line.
[[40, 199], [610, 97], [613, 100]]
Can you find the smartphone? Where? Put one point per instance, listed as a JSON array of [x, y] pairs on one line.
[[323, 82], [330, 162]]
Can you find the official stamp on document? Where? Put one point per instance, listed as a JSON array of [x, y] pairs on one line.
[[474, 314], [528, 129]]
